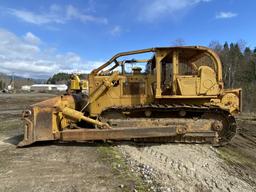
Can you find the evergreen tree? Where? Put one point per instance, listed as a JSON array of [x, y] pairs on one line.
[[239, 70], [254, 51], [59, 78]]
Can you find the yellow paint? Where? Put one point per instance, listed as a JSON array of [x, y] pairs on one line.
[[107, 88]]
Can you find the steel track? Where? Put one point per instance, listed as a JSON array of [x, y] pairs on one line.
[[192, 111]]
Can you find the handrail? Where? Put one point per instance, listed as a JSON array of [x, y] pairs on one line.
[[95, 71]]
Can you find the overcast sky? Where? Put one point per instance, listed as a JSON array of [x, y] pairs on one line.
[[43, 37]]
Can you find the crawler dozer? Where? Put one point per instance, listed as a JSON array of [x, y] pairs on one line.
[[163, 94]]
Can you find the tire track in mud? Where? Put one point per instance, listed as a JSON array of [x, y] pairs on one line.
[[185, 167]]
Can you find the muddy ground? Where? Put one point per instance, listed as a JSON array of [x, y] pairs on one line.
[[121, 166]]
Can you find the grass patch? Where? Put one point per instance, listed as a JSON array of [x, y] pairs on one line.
[[116, 160]]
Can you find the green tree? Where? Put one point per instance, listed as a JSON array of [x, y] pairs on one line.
[[59, 78], [239, 70]]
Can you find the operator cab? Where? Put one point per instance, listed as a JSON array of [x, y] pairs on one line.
[[184, 72]]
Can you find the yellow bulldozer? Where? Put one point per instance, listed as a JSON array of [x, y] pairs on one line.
[[175, 94]]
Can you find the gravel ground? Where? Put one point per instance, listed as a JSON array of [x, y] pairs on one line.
[[183, 167]]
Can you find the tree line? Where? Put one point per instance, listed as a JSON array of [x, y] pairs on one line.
[[59, 78], [239, 70]]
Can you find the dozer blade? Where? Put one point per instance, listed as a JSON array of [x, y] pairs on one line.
[[41, 121]]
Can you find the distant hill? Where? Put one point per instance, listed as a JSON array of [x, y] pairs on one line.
[[6, 80]]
